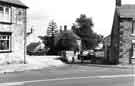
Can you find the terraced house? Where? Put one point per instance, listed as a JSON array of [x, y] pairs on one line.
[[12, 31]]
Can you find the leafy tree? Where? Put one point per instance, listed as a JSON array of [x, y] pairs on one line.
[[99, 38], [33, 50], [50, 46], [66, 40], [32, 46], [46, 40], [83, 28]]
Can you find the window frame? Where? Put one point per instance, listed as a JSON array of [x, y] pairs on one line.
[[8, 34], [6, 16], [19, 16]]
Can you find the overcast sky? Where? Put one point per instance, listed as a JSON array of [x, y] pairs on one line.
[[64, 12]]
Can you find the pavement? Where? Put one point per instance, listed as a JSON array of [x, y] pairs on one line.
[[32, 63], [71, 75], [42, 62]]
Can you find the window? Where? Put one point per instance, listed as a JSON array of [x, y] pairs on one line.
[[19, 16], [7, 10], [1, 12], [5, 42], [5, 14]]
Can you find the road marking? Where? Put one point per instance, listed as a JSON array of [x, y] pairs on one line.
[[71, 78]]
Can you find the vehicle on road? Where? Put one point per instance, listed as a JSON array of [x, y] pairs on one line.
[[74, 56]]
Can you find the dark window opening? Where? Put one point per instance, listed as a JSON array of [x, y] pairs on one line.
[[5, 42]]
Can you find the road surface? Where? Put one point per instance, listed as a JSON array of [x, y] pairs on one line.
[[71, 75]]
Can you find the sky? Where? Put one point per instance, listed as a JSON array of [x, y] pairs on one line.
[[65, 12]]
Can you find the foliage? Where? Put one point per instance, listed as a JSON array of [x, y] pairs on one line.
[[46, 40], [83, 28], [51, 33], [32, 46], [66, 40], [31, 49], [52, 29]]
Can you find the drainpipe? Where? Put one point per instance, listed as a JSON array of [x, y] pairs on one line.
[[25, 34]]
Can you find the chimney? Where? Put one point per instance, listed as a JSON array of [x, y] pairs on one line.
[[65, 27], [60, 28], [118, 3]]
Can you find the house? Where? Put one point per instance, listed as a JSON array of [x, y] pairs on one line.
[[122, 45], [13, 19]]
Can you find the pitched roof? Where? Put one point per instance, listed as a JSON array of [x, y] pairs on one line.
[[14, 2], [127, 11]]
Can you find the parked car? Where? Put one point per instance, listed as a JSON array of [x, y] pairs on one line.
[[67, 56], [86, 55], [73, 56]]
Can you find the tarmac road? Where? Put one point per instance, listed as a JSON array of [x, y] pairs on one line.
[[71, 75]]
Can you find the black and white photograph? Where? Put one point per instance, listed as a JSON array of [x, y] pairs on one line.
[[67, 42]]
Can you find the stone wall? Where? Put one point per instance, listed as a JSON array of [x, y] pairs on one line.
[[125, 41], [17, 29]]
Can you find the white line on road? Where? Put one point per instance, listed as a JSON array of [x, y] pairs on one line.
[[71, 78]]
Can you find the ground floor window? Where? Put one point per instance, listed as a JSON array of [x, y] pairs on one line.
[[5, 42]]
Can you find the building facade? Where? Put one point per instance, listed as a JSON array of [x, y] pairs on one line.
[[122, 39], [12, 31], [127, 29]]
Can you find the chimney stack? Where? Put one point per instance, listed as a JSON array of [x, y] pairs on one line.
[[118, 3], [60, 28], [65, 27]]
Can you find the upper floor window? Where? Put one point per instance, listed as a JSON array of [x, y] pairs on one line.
[[7, 10], [5, 14], [1, 12], [20, 18]]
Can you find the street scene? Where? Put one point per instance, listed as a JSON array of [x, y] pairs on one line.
[[67, 43]]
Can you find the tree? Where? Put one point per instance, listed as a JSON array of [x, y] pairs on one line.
[[46, 40], [51, 33], [66, 40], [83, 28], [99, 38], [52, 29], [35, 49]]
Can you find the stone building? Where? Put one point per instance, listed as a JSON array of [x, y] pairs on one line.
[[127, 15], [122, 45], [12, 31]]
